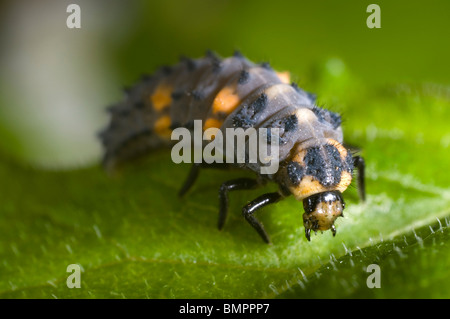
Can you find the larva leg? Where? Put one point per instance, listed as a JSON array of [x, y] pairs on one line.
[[360, 165], [249, 210], [232, 185], [193, 175], [190, 180]]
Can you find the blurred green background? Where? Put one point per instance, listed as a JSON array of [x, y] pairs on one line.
[[55, 81], [134, 238]]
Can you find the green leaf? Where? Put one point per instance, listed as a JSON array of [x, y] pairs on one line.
[[134, 238], [411, 266]]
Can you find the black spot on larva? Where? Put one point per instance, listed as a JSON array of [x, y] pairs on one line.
[[190, 64], [215, 61], [247, 116], [146, 77], [286, 125], [348, 164], [260, 103], [197, 95], [290, 123], [319, 113], [241, 121], [166, 69], [176, 95], [324, 164], [295, 172], [265, 65], [237, 54], [244, 77], [210, 54], [216, 66], [335, 119], [295, 86], [327, 116]]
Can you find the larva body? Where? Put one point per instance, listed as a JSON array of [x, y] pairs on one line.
[[235, 93]]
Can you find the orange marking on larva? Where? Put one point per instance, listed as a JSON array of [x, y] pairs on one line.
[[162, 97], [212, 122], [307, 187], [162, 126], [226, 100], [310, 186], [346, 179], [299, 156], [285, 77]]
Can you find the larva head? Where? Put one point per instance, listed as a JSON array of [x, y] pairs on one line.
[[321, 211]]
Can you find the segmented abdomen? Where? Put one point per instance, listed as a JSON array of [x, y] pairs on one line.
[[232, 92]]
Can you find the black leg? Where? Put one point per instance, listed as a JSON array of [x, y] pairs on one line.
[[249, 209], [235, 184], [193, 175], [360, 165], [190, 180]]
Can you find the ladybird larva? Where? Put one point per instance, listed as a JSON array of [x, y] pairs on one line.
[[315, 167]]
